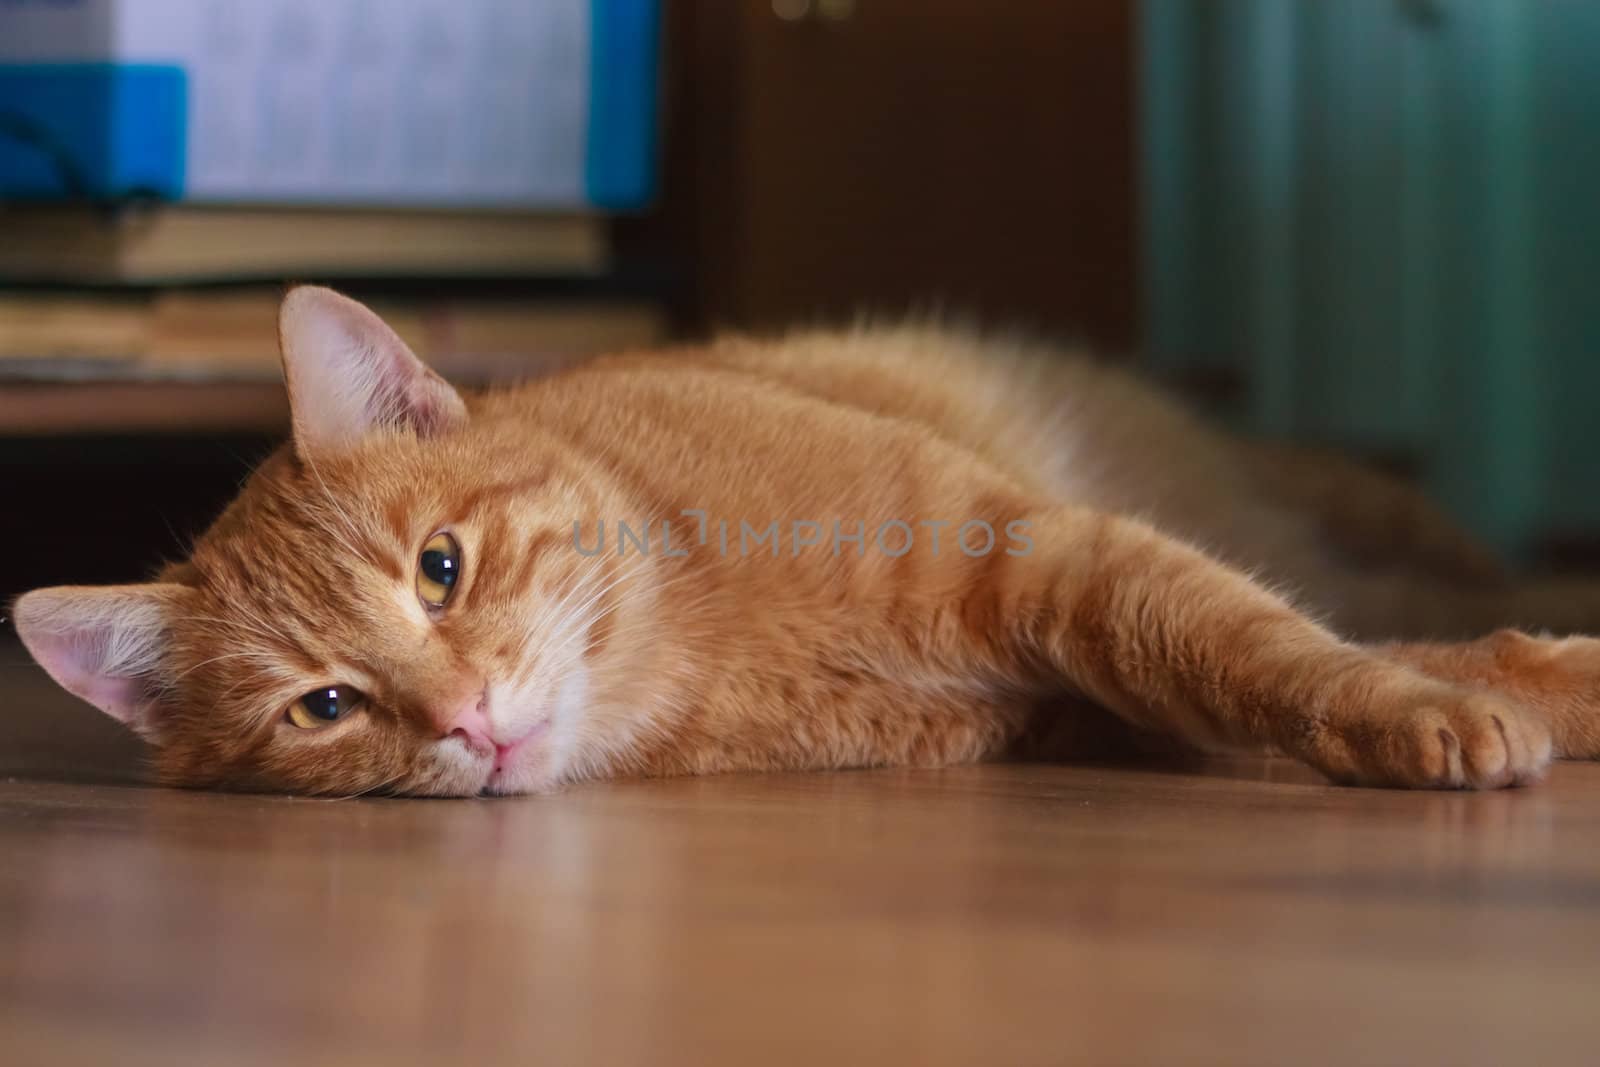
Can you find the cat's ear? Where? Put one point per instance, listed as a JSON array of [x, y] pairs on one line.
[[104, 644], [349, 374]]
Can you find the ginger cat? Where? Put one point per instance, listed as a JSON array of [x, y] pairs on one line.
[[831, 550]]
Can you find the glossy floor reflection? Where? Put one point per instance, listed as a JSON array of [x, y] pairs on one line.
[[1002, 914]]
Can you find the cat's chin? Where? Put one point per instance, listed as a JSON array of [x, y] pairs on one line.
[[512, 785], [461, 787], [531, 779]]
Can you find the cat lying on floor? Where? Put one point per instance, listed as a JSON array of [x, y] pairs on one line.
[[877, 547]]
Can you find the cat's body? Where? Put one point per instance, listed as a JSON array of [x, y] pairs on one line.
[[835, 549]]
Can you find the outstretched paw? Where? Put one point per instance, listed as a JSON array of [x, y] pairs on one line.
[[1438, 737]]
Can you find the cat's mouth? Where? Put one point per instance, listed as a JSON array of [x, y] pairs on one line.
[[513, 757]]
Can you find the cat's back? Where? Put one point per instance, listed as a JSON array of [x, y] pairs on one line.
[[1054, 420]]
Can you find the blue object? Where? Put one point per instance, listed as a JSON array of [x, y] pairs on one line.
[[118, 128], [113, 128], [624, 44]]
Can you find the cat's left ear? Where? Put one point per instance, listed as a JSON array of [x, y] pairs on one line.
[[103, 644], [350, 374]]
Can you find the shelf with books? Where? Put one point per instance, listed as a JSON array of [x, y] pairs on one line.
[[176, 244], [207, 359]]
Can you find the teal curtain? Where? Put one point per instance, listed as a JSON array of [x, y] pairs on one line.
[[1381, 215]]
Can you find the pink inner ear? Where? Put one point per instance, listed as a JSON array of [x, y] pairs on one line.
[[73, 660], [348, 372], [434, 406]]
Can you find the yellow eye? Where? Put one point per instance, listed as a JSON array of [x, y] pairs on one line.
[[323, 707], [438, 568]]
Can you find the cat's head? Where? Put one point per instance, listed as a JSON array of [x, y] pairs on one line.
[[393, 601]]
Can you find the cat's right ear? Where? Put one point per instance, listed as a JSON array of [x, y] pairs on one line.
[[104, 644], [349, 374]]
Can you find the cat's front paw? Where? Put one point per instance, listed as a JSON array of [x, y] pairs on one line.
[[1437, 738]]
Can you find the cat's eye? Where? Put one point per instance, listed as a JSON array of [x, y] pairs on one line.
[[438, 569], [323, 707]]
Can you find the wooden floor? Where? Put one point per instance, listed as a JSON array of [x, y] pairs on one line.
[[1001, 914]]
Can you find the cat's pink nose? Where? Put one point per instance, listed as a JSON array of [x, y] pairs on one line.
[[468, 720]]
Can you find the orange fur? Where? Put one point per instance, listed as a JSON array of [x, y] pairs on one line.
[[1143, 531]]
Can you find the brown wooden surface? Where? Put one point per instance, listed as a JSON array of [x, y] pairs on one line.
[[918, 154], [1001, 914]]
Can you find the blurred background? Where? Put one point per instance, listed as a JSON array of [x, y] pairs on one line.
[[1369, 224]]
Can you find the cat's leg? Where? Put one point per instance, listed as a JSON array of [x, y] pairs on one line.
[[1371, 517], [1170, 639], [1388, 603], [1383, 561], [1559, 679]]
